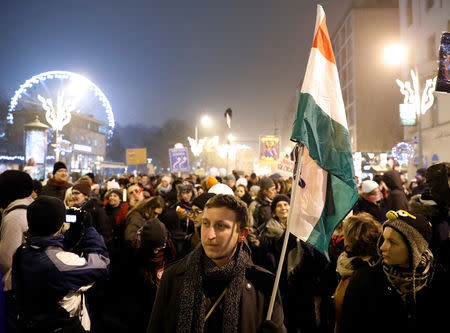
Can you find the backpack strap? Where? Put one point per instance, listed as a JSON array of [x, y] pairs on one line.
[[14, 208]]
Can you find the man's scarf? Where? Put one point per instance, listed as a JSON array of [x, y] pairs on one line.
[[193, 301]]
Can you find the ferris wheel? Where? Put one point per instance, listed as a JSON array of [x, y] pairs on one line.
[[62, 89]]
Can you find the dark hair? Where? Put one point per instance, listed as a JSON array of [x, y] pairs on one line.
[[148, 204], [233, 203], [361, 233]]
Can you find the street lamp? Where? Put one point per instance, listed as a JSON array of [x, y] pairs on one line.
[[419, 101], [196, 144]]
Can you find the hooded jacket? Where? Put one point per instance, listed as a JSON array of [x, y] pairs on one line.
[[396, 198]]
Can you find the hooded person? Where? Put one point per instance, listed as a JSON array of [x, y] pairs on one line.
[[177, 220], [259, 209], [406, 282], [58, 184], [15, 196], [49, 282], [396, 198]]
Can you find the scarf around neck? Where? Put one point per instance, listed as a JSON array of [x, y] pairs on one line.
[[193, 310]]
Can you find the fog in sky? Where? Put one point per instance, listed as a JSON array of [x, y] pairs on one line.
[[160, 59]]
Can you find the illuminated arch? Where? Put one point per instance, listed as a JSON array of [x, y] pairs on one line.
[[62, 75]]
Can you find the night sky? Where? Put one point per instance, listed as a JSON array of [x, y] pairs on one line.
[[160, 59]]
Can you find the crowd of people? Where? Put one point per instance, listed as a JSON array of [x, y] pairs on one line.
[[165, 253]]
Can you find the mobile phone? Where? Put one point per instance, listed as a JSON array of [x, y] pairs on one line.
[[71, 218]]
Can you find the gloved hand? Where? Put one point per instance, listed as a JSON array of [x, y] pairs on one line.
[[181, 212]]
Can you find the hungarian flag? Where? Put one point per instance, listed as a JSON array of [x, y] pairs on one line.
[[327, 190]]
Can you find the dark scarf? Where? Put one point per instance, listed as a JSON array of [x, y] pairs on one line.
[[193, 301]]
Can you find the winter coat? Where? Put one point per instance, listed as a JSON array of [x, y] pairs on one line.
[[134, 222], [396, 198], [56, 190], [49, 282], [256, 293], [100, 221], [14, 224], [259, 212], [377, 211], [371, 305]]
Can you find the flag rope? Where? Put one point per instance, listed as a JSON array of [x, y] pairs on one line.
[[286, 234]]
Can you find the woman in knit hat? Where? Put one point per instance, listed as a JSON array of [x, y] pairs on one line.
[[405, 284]]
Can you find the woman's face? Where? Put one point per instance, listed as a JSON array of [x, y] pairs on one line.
[[394, 249], [240, 191], [282, 210], [114, 200]]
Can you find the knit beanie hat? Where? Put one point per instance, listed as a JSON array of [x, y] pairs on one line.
[[241, 181], [368, 186], [415, 229], [221, 189], [14, 184], [210, 182], [265, 183], [114, 190], [201, 200], [154, 234], [57, 166], [45, 216], [277, 199], [229, 177], [83, 186]]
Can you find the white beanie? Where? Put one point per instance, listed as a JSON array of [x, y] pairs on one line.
[[241, 181], [368, 186], [221, 189]]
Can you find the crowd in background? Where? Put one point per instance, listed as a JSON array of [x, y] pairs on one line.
[[147, 222]]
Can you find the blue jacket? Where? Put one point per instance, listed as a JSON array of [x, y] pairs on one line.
[[49, 282]]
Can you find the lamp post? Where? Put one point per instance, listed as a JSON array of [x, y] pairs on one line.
[[420, 101], [196, 144]]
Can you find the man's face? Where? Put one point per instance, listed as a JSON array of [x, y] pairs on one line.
[[394, 249], [61, 175], [144, 180], [270, 193], [220, 234], [77, 197], [186, 196], [135, 193], [114, 200]]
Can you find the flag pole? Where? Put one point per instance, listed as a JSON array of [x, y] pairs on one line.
[[286, 234]]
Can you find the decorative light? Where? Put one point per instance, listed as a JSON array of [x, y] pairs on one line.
[[197, 146], [403, 152], [413, 96], [75, 87]]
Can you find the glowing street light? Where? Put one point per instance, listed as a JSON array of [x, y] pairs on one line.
[[420, 101], [196, 144], [395, 54]]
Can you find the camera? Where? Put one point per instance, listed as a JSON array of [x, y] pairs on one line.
[[79, 220]]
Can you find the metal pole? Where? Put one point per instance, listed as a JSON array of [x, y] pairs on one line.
[[286, 234], [418, 106]]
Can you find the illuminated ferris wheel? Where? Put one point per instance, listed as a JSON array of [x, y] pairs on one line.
[[60, 93]]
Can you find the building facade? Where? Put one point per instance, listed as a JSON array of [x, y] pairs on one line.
[[421, 25]]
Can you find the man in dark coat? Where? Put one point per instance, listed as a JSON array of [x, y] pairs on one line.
[[396, 196], [216, 288], [57, 185], [371, 201]]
